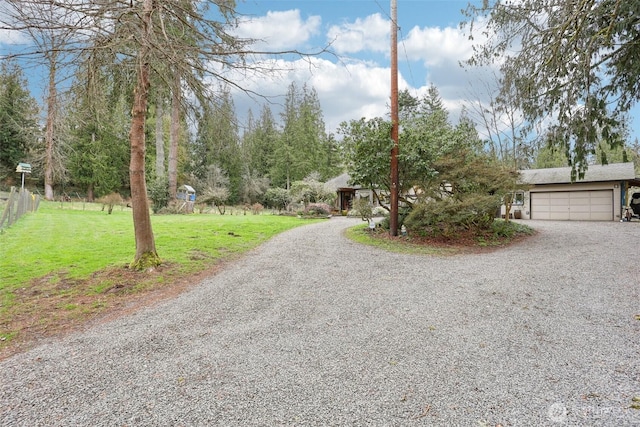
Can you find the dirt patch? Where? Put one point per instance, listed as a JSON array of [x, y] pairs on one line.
[[55, 305]]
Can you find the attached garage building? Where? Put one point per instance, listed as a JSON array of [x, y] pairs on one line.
[[599, 196]]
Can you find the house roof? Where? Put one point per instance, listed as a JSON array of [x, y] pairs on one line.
[[341, 181], [595, 173]]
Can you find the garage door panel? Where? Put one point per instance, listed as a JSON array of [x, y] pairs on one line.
[[558, 209], [580, 209], [580, 216], [582, 201], [558, 216], [584, 205], [558, 195]]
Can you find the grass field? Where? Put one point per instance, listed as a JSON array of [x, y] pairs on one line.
[[67, 261]]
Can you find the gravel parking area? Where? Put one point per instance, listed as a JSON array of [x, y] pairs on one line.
[[311, 329]]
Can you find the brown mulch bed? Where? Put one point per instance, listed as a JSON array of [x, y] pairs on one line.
[[462, 243]]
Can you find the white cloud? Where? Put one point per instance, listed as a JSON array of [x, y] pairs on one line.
[[346, 91], [280, 30], [370, 33], [437, 46], [349, 89], [11, 37]]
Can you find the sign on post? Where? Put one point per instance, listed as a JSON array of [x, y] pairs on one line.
[[23, 168]]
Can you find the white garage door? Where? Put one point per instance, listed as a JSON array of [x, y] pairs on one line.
[[596, 205]]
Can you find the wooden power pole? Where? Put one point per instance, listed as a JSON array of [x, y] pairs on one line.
[[393, 220]]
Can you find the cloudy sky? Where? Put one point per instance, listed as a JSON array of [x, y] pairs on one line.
[[354, 81]]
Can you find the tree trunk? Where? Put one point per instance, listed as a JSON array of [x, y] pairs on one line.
[[173, 137], [50, 129], [146, 255], [160, 172], [90, 194]]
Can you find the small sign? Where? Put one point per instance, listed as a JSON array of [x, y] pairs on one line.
[[23, 168]]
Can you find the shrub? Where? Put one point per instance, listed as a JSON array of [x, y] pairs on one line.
[[380, 211], [311, 190], [449, 216], [363, 209], [509, 229], [317, 209], [111, 200], [159, 194], [256, 208], [403, 212], [277, 198]]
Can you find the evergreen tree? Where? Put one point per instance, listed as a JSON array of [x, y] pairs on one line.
[[259, 143], [569, 63], [217, 144], [98, 143], [18, 119], [332, 160], [303, 144], [288, 163]]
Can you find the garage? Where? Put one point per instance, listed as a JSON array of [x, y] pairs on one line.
[[556, 194], [594, 205]]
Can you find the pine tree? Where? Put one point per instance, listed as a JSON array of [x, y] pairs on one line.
[[18, 119]]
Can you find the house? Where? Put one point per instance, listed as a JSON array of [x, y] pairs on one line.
[[550, 195], [346, 192]]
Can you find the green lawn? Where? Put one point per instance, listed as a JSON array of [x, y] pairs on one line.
[[67, 263], [78, 240]]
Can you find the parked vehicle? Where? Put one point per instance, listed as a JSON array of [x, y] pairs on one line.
[[633, 210]]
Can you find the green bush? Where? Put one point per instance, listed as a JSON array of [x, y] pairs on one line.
[[508, 229], [363, 208], [385, 223], [277, 198], [317, 209], [449, 216], [159, 194]]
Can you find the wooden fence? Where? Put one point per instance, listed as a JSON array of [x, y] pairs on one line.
[[18, 202]]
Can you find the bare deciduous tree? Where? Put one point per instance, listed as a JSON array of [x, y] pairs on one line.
[[52, 45]]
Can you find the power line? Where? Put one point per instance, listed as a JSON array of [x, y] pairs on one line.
[[402, 41]]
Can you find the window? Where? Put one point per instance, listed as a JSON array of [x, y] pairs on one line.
[[518, 198]]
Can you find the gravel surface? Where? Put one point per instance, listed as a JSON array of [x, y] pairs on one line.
[[312, 329]]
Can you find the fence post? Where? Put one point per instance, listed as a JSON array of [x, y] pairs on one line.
[[18, 204], [6, 214]]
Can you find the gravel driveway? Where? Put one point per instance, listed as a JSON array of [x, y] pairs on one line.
[[312, 329]]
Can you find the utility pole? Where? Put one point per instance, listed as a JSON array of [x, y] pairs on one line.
[[393, 220]]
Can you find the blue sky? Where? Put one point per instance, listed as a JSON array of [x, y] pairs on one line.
[[354, 81], [357, 82]]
